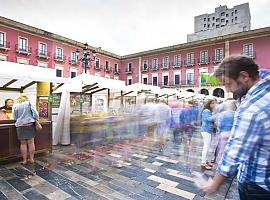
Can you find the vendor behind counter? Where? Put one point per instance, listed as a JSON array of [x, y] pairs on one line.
[[6, 110]]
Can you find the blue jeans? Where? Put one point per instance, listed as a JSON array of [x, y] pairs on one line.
[[251, 191]]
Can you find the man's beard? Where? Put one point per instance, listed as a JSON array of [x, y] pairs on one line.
[[241, 91]]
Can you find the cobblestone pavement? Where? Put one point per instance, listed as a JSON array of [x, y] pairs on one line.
[[125, 169]]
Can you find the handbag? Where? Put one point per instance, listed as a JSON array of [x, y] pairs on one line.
[[38, 126]]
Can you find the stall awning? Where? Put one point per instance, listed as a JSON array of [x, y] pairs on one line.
[[17, 77]]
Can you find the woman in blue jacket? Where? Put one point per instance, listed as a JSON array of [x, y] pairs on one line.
[[207, 131]]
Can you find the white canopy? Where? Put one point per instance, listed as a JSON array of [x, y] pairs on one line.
[[27, 73]]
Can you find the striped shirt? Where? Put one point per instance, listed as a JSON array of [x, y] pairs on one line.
[[248, 149]]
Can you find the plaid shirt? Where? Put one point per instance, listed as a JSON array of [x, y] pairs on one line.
[[248, 149]]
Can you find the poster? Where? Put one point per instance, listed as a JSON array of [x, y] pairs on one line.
[[43, 108]]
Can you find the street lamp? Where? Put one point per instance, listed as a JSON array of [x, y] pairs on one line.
[[86, 59]]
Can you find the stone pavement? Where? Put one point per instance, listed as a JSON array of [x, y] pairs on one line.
[[125, 169]]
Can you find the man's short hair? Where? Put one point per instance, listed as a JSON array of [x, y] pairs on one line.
[[233, 65]]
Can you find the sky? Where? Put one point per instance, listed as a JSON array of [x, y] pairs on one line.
[[123, 26]]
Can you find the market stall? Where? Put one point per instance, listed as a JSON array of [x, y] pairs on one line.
[[37, 84]]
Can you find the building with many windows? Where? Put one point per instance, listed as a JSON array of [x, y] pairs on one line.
[[223, 21], [179, 66]]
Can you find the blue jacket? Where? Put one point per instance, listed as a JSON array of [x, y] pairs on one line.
[[225, 121], [207, 121], [23, 115]]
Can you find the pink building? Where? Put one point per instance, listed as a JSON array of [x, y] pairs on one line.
[[179, 66]]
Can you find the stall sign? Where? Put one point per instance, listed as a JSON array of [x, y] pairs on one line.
[[56, 98]]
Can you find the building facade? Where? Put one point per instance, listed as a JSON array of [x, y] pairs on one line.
[[223, 21], [180, 66]]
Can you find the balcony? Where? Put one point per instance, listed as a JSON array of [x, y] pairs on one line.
[[4, 45], [165, 66], [251, 54], [43, 54], [98, 67], [107, 69], [176, 65], [154, 68], [189, 63], [129, 71], [144, 68], [116, 72], [23, 50], [217, 59], [203, 61], [59, 58], [73, 62]]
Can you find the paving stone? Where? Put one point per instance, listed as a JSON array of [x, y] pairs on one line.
[[34, 195]]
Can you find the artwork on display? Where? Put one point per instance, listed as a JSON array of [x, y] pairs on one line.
[[43, 108], [56, 99], [99, 104]]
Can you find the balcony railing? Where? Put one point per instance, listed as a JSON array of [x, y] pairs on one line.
[[43, 54], [154, 68], [189, 63], [129, 71], [144, 68], [23, 50], [4, 45], [217, 59], [59, 58], [116, 72], [251, 54], [203, 60], [73, 61], [107, 69], [165, 66], [177, 64], [98, 67]]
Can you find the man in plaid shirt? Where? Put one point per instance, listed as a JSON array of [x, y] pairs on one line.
[[248, 150]]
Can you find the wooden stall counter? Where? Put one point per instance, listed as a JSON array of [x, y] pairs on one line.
[[10, 145]]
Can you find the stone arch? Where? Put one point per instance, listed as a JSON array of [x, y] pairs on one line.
[[218, 92], [204, 91]]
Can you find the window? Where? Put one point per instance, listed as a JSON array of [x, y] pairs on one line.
[[248, 50], [203, 56], [217, 19], [204, 19], [232, 14], [204, 25], [22, 44], [202, 78], [218, 54], [129, 81], [145, 64], [217, 26], [235, 19], [190, 78], [97, 62], [244, 28], [42, 49], [58, 73], [232, 20], [74, 57], [165, 80], [208, 19], [107, 65], [145, 80], [190, 59], [208, 25], [73, 74], [155, 81], [59, 53], [176, 79], [223, 14], [129, 67], [116, 67], [235, 11], [155, 63], [213, 18], [222, 20], [2, 39], [227, 21], [165, 61], [177, 60], [227, 15]]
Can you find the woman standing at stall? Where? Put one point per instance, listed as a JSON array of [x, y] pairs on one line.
[[25, 115], [207, 131]]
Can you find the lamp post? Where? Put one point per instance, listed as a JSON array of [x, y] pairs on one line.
[[86, 59]]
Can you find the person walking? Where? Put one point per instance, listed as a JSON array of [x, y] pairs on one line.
[[25, 115], [247, 152]]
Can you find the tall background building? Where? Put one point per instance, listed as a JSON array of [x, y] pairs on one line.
[[223, 21]]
